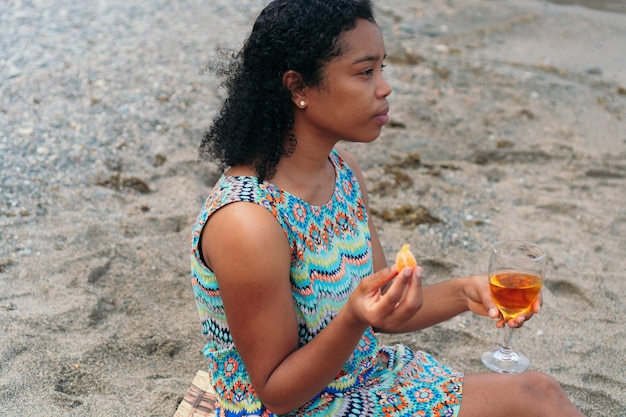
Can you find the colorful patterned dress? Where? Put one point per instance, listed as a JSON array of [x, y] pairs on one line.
[[331, 253]]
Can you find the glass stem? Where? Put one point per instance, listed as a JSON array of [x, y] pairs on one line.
[[508, 337], [506, 350]]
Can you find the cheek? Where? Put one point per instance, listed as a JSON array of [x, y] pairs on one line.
[[350, 107]]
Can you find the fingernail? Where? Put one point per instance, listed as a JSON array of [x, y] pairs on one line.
[[408, 272]]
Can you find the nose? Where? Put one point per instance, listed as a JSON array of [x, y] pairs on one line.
[[384, 89]]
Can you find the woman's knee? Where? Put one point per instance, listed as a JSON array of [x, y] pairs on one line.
[[528, 394], [540, 387]]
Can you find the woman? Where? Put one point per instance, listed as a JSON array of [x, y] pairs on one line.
[[290, 278]]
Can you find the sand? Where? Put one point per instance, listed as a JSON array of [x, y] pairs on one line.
[[507, 121]]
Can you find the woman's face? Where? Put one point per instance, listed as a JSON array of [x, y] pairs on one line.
[[351, 102]]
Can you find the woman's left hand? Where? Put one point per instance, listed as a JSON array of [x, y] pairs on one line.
[[479, 301]]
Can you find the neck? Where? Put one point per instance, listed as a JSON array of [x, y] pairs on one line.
[[307, 173]]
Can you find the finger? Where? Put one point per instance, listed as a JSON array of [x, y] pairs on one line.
[[517, 322], [413, 296], [487, 301], [396, 290], [522, 318], [380, 279], [490, 306]]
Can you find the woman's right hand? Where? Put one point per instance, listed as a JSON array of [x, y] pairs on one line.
[[388, 298]]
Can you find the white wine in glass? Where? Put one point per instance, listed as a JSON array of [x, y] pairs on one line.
[[516, 272]]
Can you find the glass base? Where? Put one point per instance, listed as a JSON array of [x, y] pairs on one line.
[[506, 361]]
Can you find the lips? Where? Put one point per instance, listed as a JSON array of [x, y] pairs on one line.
[[382, 117]]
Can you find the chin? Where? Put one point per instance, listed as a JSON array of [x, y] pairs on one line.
[[364, 138], [373, 137]]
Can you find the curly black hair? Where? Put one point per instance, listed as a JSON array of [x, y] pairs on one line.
[[257, 115]]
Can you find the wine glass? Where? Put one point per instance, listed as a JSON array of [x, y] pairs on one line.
[[516, 272]]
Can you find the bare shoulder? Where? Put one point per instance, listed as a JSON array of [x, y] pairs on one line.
[[240, 231]]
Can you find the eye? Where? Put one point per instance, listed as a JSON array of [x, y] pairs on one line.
[[368, 71]]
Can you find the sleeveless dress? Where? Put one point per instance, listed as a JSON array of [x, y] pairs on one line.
[[331, 253]]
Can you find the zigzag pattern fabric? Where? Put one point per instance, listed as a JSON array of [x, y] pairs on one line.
[[331, 253]]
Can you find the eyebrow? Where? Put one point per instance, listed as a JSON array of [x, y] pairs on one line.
[[368, 58]]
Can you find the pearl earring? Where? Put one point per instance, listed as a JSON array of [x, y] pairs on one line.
[[302, 103]]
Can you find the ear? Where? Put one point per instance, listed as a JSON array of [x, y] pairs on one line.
[[292, 80]]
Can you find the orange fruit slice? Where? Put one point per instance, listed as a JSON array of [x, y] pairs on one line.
[[405, 258]]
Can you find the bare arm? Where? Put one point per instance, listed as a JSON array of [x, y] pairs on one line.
[[249, 253], [440, 301]]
